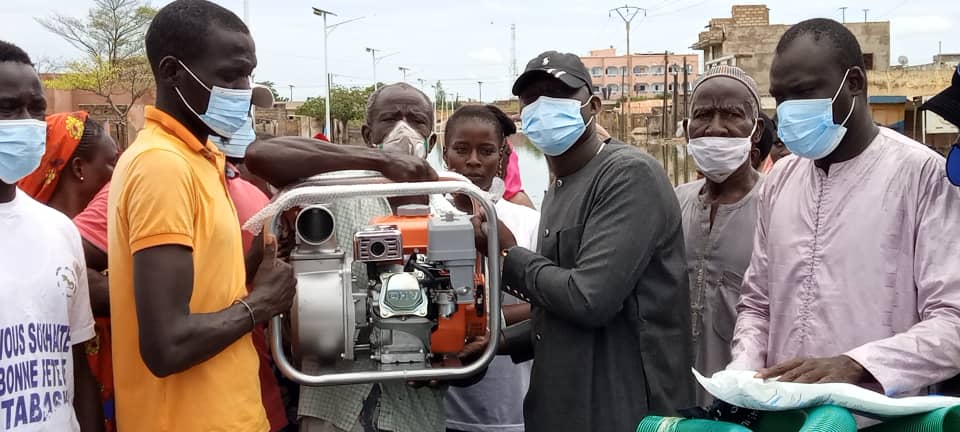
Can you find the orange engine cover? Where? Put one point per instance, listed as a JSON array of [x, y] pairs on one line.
[[413, 231], [452, 333]]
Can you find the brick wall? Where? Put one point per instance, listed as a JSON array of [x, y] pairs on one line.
[[721, 22], [754, 46], [751, 15]]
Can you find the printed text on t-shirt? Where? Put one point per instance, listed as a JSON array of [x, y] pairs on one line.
[[33, 372]]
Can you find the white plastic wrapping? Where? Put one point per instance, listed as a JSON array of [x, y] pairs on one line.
[[740, 388]]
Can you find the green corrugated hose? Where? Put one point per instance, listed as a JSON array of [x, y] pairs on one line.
[[674, 424], [820, 419], [941, 420]]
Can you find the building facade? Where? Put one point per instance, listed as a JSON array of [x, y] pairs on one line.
[[612, 80], [748, 40]]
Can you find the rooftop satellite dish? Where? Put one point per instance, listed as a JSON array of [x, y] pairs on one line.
[[903, 61]]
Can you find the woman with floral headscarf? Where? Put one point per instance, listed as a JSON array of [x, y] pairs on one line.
[[75, 168]]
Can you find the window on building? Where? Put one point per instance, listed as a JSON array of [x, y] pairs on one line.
[[689, 68], [596, 89], [596, 71], [640, 87], [640, 70], [670, 87], [868, 61], [658, 88], [658, 70], [613, 71], [623, 70], [613, 88]]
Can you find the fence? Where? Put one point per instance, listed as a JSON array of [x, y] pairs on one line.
[[672, 154]]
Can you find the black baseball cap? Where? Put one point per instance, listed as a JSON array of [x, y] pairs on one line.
[[565, 67], [946, 104]]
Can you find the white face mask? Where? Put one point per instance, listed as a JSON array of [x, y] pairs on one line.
[[405, 139], [718, 157]]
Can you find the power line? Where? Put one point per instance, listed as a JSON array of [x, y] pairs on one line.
[[681, 9]]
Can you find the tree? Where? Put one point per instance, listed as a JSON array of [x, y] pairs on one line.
[[114, 62], [312, 107], [347, 105], [440, 96], [273, 89]]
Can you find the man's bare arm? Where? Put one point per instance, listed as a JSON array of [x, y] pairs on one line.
[[172, 339], [284, 160]]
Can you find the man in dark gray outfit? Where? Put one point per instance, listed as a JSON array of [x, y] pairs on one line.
[[610, 333]]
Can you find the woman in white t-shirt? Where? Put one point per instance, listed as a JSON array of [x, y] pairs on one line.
[[475, 142]]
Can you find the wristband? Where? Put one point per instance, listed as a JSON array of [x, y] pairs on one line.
[[249, 309]]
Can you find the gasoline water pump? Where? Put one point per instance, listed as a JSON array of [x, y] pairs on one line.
[[403, 304]]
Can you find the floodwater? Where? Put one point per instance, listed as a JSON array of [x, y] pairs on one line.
[[533, 166]]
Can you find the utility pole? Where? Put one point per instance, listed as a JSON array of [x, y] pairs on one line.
[[246, 12], [627, 13], [373, 58], [663, 123], [420, 80], [326, 67], [865, 14], [686, 88], [843, 14], [435, 107], [480, 89], [513, 51], [676, 96], [404, 71], [291, 92]]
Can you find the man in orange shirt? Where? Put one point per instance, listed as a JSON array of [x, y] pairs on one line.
[[182, 349]]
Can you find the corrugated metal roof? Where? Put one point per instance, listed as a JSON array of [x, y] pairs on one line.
[[887, 99]]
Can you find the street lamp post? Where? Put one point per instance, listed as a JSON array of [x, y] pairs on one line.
[[404, 71], [326, 69], [373, 58], [480, 89]]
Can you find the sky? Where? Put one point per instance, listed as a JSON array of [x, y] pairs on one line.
[[459, 42]]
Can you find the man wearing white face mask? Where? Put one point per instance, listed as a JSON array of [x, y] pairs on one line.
[[720, 211], [852, 277], [398, 133]]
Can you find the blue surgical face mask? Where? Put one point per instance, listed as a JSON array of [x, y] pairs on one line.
[[554, 124], [953, 164], [236, 146], [806, 126], [22, 144], [227, 109]]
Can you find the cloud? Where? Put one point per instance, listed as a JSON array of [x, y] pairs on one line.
[[919, 24], [486, 55]]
